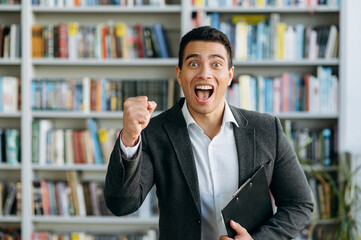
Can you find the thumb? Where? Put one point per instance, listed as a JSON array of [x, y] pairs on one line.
[[151, 106], [238, 228]]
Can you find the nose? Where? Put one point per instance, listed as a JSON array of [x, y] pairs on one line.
[[204, 72]]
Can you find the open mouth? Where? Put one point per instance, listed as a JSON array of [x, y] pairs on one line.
[[203, 92]]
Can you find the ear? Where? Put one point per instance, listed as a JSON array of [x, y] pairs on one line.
[[178, 72], [230, 75]]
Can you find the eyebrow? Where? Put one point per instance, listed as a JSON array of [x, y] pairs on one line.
[[199, 56]]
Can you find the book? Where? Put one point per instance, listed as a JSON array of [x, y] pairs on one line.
[[72, 180], [91, 126], [251, 205], [10, 199], [160, 36], [2, 197], [12, 146]]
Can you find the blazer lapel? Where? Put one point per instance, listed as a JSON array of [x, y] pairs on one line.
[[245, 143], [178, 135]]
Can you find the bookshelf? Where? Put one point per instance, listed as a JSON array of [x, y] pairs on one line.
[[176, 16], [9, 174]]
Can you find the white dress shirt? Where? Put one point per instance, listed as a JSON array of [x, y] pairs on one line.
[[217, 170]]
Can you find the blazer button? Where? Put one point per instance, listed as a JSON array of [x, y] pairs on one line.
[[199, 221]]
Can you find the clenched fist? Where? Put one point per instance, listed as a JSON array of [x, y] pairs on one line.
[[137, 111]]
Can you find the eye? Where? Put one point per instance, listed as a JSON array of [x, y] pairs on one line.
[[217, 64], [193, 64]]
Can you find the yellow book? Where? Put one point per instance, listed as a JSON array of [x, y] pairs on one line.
[[241, 41], [122, 39], [198, 3], [75, 236], [244, 86], [250, 19], [281, 29], [72, 179], [260, 3], [73, 40], [105, 145]]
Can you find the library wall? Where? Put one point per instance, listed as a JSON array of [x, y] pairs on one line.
[[177, 18]]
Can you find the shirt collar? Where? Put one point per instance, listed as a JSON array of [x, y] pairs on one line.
[[228, 116]]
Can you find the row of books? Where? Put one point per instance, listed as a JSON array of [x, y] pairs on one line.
[[98, 94], [289, 92], [101, 41], [10, 92], [10, 146], [151, 234], [325, 198], [10, 199], [10, 41], [58, 146], [84, 3], [322, 149], [75, 198], [257, 37], [70, 198], [10, 233], [10, 2], [265, 3]]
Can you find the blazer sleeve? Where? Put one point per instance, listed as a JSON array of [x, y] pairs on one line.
[[291, 192], [127, 181]]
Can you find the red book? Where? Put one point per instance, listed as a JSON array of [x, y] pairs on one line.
[[307, 91], [93, 94], [104, 33], [76, 146], [285, 91], [82, 158], [63, 40], [140, 45], [45, 197]]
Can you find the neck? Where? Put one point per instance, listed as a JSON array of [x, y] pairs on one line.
[[210, 123]]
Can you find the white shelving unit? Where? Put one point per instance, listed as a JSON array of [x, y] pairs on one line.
[[177, 19]]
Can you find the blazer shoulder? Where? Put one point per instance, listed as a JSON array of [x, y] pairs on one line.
[[254, 119]]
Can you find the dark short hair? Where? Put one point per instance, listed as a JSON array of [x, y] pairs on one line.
[[204, 33]]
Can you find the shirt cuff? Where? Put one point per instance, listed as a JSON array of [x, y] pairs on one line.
[[129, 152]]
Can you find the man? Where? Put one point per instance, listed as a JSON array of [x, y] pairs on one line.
[[200, 151]]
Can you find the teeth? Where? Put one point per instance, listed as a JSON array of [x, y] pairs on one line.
[[204, 87]]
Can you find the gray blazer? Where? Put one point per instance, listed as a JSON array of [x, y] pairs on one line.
[[166, 160]]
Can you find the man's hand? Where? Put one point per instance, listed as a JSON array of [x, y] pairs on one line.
[[136, 117], [242, 233]]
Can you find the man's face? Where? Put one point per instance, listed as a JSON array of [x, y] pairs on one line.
[[205, 77]]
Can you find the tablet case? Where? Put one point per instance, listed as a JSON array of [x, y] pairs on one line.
[[251, 205]]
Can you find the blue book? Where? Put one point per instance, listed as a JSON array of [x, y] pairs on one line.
[[12, 146], [104, 100], [260, 37], [250, 42], [52, 195], [34, 84], [78, 95], [269, 95], [94, 135], [215, 20], [300, 32], [326, 134], [159, 33]]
